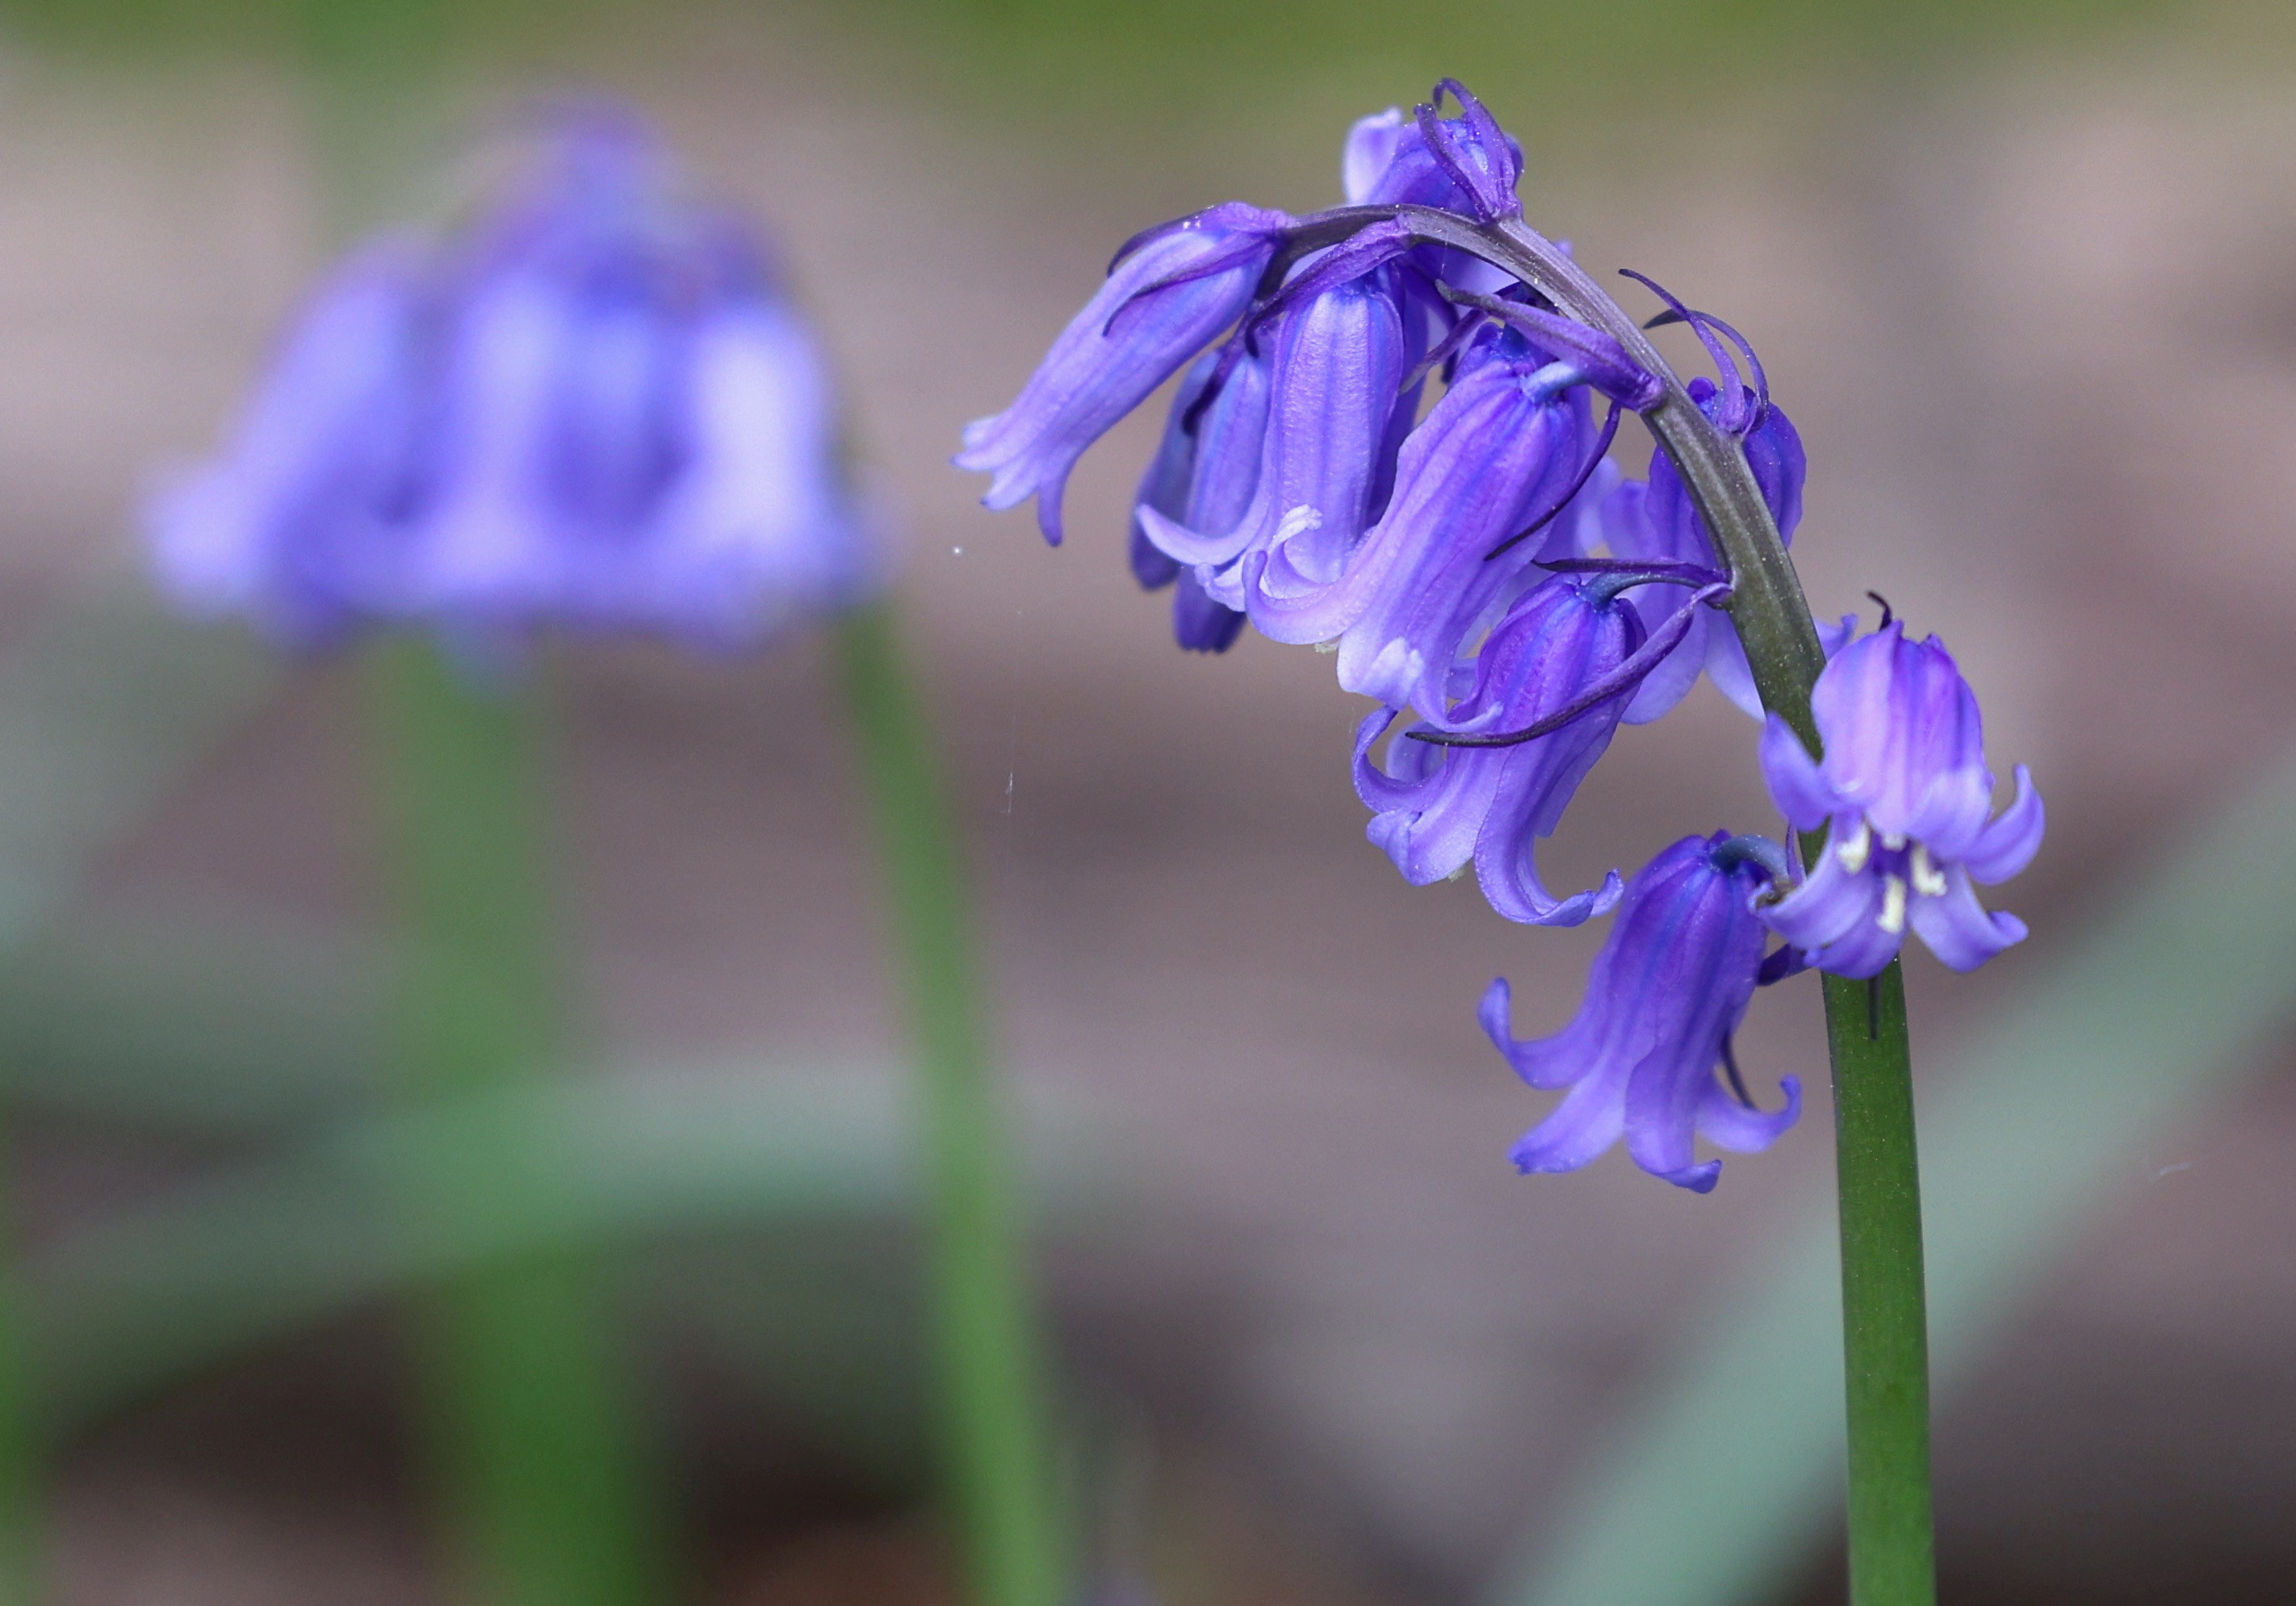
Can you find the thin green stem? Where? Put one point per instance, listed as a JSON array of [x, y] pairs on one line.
[[22, 1569], [531, 1422], [1885, 1328], [991, 1371], [1884, 1321]]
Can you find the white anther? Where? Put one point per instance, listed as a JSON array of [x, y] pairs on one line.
[[1893, 905], [1929, 881], [1854, 852], [1331, 645], [1895, 841]]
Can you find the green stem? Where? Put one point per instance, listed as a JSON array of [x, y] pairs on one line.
[[22, 1570], [991, 1372], [1884, 1317], [531, 1417], [1884, 1321]]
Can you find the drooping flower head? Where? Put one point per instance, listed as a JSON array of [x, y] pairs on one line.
[[1646, 1056], [1907, 796], [592, 407], [1265, 506]]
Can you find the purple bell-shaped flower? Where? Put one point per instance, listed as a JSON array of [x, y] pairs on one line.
[[1438, 808], [1907, 800], [1644, 1057], [1169, 294], [1656, 522], [1337, 361], [1504, 449]]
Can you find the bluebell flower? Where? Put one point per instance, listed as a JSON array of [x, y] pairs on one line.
[[1389, 160], [1467, 164], [1203, 472], [1168, 295], [1337, 363], [1644, 1056], [1907, 800], [594, 408], [1655, 521], [1437, 808], [1506, 446]]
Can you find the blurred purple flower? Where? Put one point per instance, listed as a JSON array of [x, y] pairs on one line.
[[594, 409], [1169, 292], [1641, 1058], [1908, 800]]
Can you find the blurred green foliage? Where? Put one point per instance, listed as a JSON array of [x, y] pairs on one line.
[[1073, 58]]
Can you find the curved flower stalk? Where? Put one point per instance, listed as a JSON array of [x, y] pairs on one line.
[[1644, 1056], [1908, 800], [592, 409]]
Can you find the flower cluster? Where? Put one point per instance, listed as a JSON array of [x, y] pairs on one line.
[[592, 406], [1481, 569]]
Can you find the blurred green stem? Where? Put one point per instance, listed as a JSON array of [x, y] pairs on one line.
[[21, 1569], [991, 1371], [530, 1416]]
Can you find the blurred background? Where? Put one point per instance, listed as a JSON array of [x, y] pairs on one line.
[[2024, 272]]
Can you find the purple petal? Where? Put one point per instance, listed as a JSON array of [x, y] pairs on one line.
[[2008, 844], [1726, 1123], [1337, 363], [1370, 151], [1420, 581], [1580, 1129], [1957, 928], [1728, 669], [1835, 915], [1546, 1062], [1797, 784], [1095, 374], [1201, 623]]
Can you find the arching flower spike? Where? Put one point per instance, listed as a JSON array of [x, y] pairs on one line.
[[1646, 1055], [1907, 796]]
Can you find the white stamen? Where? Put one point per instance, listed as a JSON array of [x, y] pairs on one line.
[[1894, 841], [1331, 645], [1893, 905], [1929, 881], [1853, 853]]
